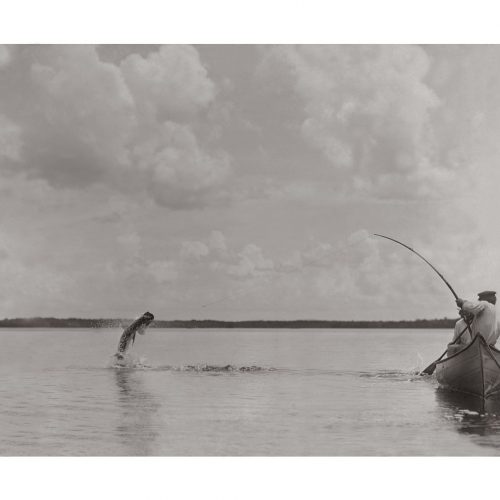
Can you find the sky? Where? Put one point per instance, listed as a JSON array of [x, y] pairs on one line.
[[245, 182]]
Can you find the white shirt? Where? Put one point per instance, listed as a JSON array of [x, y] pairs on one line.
[[485, 319], [460, 326]]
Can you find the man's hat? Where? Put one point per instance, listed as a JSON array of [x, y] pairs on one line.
[[486, 293]]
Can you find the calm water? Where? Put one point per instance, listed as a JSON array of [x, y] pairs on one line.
[[234, 392]]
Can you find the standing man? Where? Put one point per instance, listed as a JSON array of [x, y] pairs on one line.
[[485, 315]]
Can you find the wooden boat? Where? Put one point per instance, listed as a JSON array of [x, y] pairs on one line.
[[473, 370]]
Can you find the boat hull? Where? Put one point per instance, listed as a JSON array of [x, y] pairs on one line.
[[473, 370]]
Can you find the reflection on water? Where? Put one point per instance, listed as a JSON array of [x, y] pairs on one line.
[[234, 393], [136, 428], [473, 416]]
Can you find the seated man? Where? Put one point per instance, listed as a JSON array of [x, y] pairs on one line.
[[461, 335], [484, 315]]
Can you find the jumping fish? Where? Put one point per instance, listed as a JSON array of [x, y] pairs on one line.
[[128, 336]]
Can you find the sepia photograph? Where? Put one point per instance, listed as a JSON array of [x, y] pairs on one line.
[[237, 249], [249, 250], [245, 250]]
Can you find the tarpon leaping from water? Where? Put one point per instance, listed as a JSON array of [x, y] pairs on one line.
[[128, 336]]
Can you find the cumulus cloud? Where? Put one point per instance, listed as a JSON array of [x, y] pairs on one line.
[[357, 276], [170, 83], [194, 249], [248, 262], [83, 121], [214, 245], [10, 141], [367, 109], [163, 271], [182, 174], [251, 262], [73, 112], [217, 242], [317, 275], [362, 270], [375, 123], [412, 123]]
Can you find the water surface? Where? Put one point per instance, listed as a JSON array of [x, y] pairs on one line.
[[234, 392]]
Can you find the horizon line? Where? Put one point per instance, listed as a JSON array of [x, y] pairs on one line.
[[210, 319]]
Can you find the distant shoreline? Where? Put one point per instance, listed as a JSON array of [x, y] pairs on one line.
[[209, 323]]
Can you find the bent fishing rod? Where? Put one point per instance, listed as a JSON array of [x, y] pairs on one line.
[[424, 259], [439, 274]]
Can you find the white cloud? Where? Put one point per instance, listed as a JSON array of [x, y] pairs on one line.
[[164, 271], [182, 174], [248, 262], [170, 83], [351, 137], [217, 242], [83, 121], [74, 112], [367, 109], [10, 141], [251, 263], [194, 249]]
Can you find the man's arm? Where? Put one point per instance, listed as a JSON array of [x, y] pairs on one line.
[[470, 306]]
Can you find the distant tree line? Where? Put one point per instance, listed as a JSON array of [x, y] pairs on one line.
[[210, 323]]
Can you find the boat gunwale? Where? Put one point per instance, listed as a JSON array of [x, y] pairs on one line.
[[468, 346], [489, 350], [477, 337], [493, 348]]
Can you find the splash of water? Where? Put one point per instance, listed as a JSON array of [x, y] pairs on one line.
[[420, 364], [220, 368], [134, 362], [128, 361], [409, 375]]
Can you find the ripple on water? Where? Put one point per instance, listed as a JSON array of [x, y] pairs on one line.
[[395, 375], [140, 364]]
